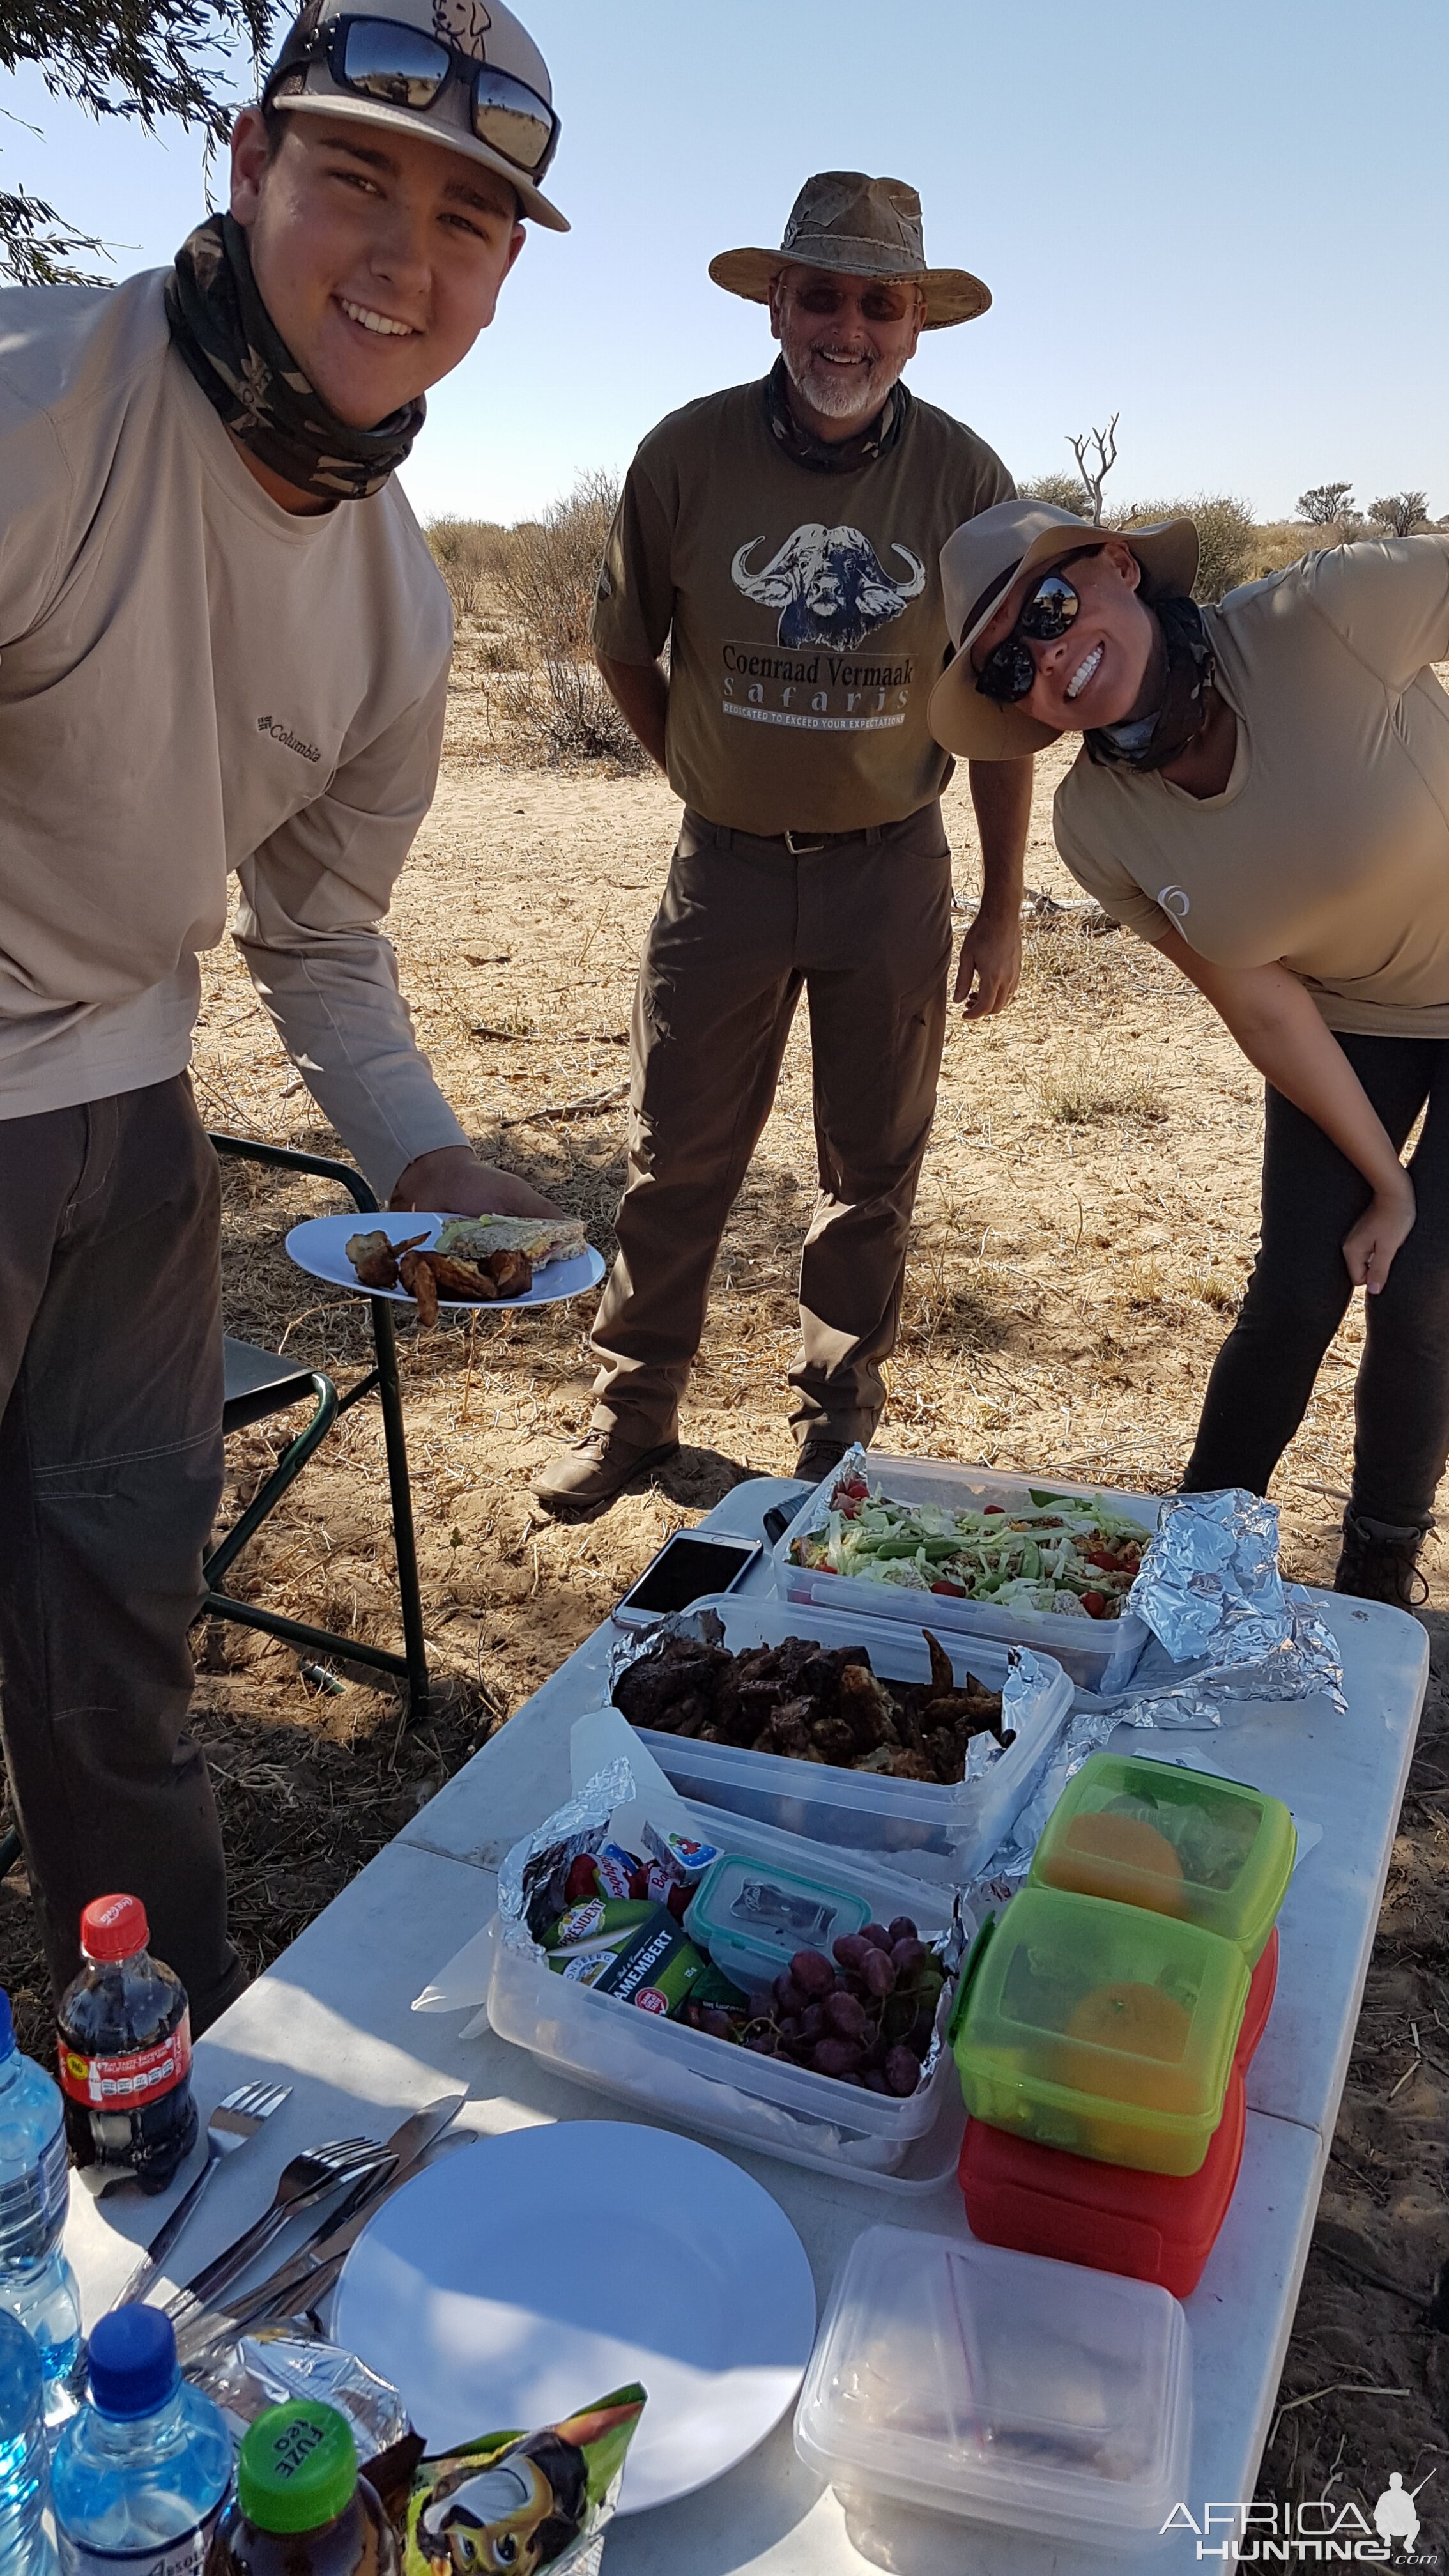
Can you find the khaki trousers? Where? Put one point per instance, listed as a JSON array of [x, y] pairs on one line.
[[110, 1476], [864, 929]]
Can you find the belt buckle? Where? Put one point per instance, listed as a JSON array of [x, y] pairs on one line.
[[801, 849]]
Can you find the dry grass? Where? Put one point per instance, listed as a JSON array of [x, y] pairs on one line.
[[1071, 1280]]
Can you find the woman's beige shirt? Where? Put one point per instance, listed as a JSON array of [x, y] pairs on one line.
[[1329, 846]]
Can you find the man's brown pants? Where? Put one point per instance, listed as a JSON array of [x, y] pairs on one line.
[[110, 1476], [865, 928]]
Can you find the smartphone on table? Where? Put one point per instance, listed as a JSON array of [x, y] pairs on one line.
[[689, 1566]]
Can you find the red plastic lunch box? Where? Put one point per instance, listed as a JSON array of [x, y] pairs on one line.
[[1152, 2227]]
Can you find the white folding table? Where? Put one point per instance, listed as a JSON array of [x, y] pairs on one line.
[[333, 2017]]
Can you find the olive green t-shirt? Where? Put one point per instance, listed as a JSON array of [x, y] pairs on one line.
[[802, 609], [1329, 847]]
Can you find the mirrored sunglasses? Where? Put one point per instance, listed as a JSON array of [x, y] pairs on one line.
[[382, 58], [1008, 673]]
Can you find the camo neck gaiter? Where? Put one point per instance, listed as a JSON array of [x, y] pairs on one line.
[[843, 457], [226, 337], [1150, 742]]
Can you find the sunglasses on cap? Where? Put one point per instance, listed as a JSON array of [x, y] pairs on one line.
[[400, 66], [1008, 673]]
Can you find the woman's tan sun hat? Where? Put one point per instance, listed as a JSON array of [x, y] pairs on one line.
[[981, 563], [861, 227]]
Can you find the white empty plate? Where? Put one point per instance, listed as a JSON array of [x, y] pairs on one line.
[[318, 1245], [529, 2275]]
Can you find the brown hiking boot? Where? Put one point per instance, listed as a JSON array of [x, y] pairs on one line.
[[819, 1452], [595, 1470], [1380, 1562]]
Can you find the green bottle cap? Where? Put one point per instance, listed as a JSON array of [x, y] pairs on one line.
[[297, 2468]]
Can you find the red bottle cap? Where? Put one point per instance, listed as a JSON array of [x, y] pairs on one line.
[[114, 1927]]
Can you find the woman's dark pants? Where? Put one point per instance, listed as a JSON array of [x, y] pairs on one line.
[[1299, 1292]]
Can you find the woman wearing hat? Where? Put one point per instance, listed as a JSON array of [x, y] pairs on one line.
[[1263, 792]]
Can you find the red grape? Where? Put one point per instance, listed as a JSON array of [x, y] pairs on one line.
[[878, 1973], [902, 2071], [851, 1948], [875, 2082], [846, 2017], [836, 2057], [908, 1953], [813, 1973], [788, 1998], [902, 1929], [812, 2022], [877, 1934]]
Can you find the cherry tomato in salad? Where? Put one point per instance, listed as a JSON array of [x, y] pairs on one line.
[[1094, 1604], [957, 1591], [993, 1510]]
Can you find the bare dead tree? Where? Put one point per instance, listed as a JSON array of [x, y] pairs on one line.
[[1094, 476]]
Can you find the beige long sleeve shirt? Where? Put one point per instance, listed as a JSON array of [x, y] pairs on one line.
[[195, 684], [1329, 846]]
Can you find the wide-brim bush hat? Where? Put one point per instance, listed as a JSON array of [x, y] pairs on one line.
[[981, 562], [860, 227], [474, 31]]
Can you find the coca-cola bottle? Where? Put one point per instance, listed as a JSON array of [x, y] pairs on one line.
[[125, 2051]]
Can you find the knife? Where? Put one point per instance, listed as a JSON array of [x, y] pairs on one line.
[[409, 2145]]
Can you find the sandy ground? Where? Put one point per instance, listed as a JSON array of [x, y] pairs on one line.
[[1085, 1222]]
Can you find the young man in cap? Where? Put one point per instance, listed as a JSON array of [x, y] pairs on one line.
[[223, 648], [784, 539]]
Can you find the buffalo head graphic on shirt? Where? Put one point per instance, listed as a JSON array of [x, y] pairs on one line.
[[829, 585]]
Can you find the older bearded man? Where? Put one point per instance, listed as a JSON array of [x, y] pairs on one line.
[[783, 540]]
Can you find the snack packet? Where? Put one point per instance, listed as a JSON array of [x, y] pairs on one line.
[[522, 2501]]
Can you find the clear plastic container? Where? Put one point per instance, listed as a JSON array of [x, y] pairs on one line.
[[37, 2284], [1099, 1654], [1000, 2388], [26, 2545], [141, 2473], [752, 1917], [759, 2102], [942, 1833], [1179, 1842], [1102, 2029]]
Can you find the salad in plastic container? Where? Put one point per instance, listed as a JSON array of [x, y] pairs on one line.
[[1050, 1551]]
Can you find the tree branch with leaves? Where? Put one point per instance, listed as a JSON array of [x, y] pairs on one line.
[[140, 59]]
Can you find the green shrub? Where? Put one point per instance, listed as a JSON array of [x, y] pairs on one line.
[[1227, 533]]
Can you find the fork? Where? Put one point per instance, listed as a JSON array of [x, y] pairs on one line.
[[236, 2118], [308, 2178]]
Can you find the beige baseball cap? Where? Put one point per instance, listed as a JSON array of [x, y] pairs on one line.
[[983, 561], [861, 227], [464, 73]]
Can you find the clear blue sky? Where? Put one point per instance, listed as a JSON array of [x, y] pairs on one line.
[[1227, 222]]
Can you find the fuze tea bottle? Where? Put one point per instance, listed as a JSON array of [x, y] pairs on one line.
[[300, 2507], [125, 2052]]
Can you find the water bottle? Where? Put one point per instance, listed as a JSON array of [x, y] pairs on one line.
[[26, 2547], [125, 2052], [37, 2284], [141, 2473]]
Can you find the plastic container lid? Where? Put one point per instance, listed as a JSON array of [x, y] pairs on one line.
[[753, 1915], [1000, 2388], [1100, 2028], [1179, 1842], [114, 1927], [132, 2361], [7, 2025], [297, 2467]]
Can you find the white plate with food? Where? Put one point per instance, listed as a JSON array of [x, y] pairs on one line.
[[456, 1261], [521, 2276]]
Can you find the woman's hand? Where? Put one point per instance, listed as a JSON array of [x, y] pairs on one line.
[[1369, 1247]]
